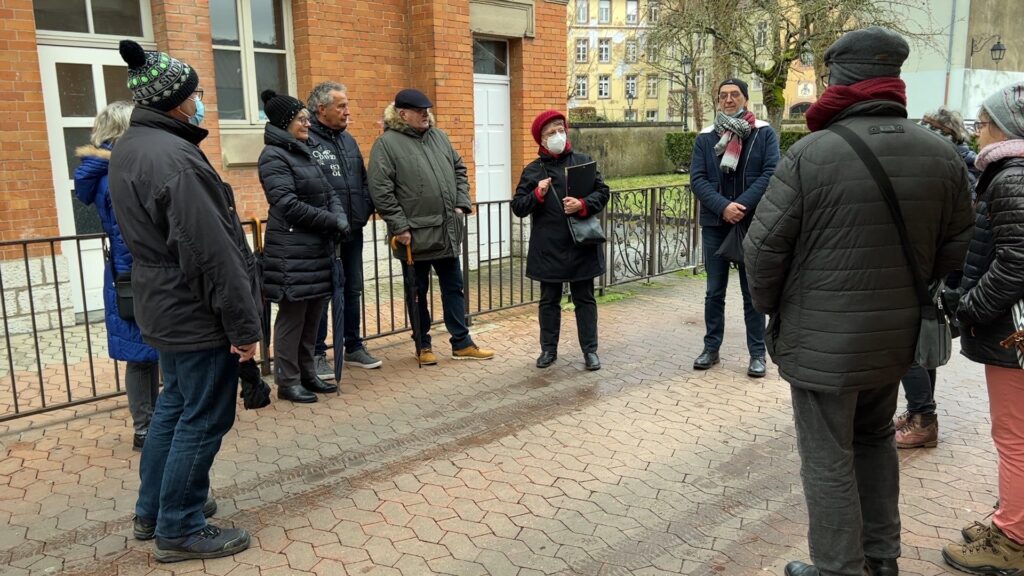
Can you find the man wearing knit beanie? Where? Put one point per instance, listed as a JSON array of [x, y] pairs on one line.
[[195, 301], [846, 290]]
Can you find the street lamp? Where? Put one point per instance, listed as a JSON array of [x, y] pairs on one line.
[[997, 52], [630, 96], [687, 63]]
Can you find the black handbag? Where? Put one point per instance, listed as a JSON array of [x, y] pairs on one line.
[[732, 247], [934, 339], [122, 289]]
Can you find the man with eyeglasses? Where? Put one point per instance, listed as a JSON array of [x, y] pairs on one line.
[[733, 159], [195, 300], [420, 187]]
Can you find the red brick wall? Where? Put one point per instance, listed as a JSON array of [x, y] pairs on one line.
[[27, 204]]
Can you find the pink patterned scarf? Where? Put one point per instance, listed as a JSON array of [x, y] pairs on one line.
[[733, 130], [998, 151]]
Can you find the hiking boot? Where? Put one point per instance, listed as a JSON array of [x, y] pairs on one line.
[[210, 542], [145, 529], [994, 554], [919, 431], [473, 352], [977, 530], [362, 359], [901, 420], [427, 357], [324, 369]]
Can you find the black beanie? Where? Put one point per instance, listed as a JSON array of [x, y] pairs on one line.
[[737, 83], [281, 109]]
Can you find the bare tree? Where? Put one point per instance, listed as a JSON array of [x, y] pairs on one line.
[[765, 38]]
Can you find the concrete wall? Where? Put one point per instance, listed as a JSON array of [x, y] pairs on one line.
[[634, 149]]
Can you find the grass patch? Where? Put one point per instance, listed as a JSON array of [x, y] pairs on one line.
[[649, 181]]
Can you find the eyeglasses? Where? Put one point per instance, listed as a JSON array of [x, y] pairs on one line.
[[723, 96], [304, 120], [198, 95], [979, 125]]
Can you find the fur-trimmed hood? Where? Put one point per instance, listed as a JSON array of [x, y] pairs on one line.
[[392, 121], [90, 150]]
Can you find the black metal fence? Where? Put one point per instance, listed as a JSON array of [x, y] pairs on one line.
[[53, 357]]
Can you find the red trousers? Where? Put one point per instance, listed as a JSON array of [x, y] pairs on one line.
[[1006, 404]]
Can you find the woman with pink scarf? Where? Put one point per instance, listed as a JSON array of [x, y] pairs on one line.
[[993, 286]]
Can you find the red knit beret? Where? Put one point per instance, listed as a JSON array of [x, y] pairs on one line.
[[543, 119]]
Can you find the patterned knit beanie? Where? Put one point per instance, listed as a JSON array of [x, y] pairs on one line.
[[281, 109], [1006, 107], [157, 80]]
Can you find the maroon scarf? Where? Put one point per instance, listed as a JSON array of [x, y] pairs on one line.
[[836, 98]]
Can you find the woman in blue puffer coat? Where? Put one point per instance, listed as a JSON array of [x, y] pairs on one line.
[[124, 341]]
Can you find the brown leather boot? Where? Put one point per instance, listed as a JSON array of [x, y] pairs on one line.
[[919, 431]]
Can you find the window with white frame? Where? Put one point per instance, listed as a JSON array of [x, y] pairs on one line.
[[698, 79], [755, 83], [758, 110], [251, 53], [653, 10], [652, 86], [652, 115], [604, 11], [630, 115], [604, 86], [582, 50], [630, 86], [119, 18], [632, 11], [582, 11], [604, 50], [581, 87], [761, 37], [702, 43], [631, 51]]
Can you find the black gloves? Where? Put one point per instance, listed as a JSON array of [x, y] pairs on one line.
[[342, 226]]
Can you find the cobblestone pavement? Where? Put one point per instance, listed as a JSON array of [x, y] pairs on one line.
[[645, 467]]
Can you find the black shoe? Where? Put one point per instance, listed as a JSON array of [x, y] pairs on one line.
[[296, 394], [546, 359], [144, 529], [706, 360], [318, 385], [210, 542], [138, 441], [881, 566], [591, 361], [797, 568], [757, 368]]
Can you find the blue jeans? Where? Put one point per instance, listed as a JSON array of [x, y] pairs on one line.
[[919, 389], [453, 300], [714, 300], [194, 411], [351, 253]]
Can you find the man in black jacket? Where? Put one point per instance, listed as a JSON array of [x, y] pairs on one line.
[[341, 161], [195, 300]]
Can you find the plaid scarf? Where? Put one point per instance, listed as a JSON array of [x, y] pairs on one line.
[[733, 131]]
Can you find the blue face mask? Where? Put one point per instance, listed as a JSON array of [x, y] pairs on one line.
[[197, 118]]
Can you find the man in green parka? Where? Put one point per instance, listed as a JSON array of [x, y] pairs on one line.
[[420, 187]]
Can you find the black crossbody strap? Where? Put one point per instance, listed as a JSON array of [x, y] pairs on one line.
[[885, 185]]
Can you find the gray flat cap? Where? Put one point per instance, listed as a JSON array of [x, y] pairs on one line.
[[867, 53]]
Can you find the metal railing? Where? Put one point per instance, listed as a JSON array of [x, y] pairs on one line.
[[53, 357]]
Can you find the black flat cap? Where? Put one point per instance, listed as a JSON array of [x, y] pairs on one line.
[[412, 98]]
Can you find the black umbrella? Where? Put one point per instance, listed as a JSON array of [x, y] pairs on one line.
[[412, 295], [255, 392], [338, 314]]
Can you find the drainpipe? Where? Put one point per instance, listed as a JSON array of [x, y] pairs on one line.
[[949, 52]]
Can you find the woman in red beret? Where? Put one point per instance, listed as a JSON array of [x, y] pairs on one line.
[[554, 258]]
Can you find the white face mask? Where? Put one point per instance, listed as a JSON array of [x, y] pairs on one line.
[[556, 143]]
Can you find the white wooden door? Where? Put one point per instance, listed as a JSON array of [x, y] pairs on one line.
[[78, 83], [492, 154]]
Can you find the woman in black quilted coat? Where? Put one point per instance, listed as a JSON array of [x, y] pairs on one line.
[[989, 311], [305, 216]]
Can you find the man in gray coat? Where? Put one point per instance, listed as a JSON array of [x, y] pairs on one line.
[[824, 258], [420, 187]]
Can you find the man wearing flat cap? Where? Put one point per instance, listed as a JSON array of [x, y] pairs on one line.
[[420, 187], [826, 260]]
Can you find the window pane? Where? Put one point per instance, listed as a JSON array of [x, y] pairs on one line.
[[87, 221], [121, 17], [271, 72], [73, 138], [489, 57], [75, 90], [224, 22], [267, 24], [63, 15], [227, 66], [115, 81]]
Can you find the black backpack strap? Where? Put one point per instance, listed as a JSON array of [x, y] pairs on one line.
[[885, 186]]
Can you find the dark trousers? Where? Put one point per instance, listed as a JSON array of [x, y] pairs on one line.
[[714, 300], [550, 314], [142, 384], [919, 389], [195, 410], [851, 476], [453, 300], [351, 253], [294, 336]]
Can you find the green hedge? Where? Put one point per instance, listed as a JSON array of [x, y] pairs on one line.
[[679, 145]]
